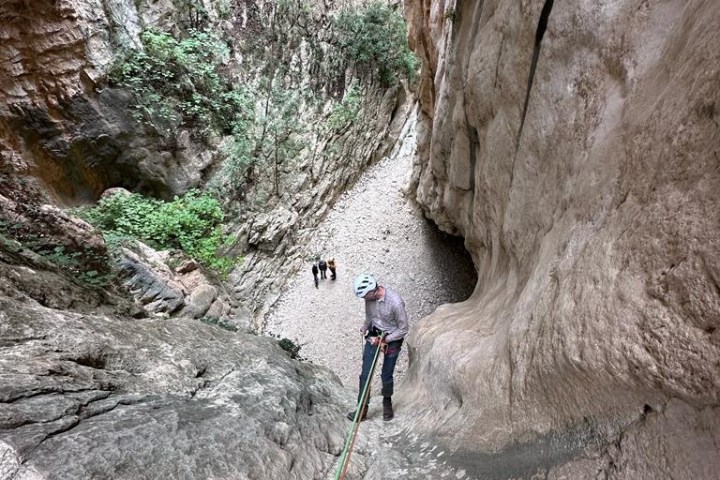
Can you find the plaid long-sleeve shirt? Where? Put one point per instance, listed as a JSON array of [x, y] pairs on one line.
[[387, 314]]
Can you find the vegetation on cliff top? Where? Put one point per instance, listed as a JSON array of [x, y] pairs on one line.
[[374, 38], [251, 91], [179, 82]]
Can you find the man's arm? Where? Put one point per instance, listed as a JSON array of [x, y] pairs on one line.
[[368, 321], [402, 323]]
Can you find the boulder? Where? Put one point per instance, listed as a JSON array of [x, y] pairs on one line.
[[151, 282], [199, 301], [268, 229]]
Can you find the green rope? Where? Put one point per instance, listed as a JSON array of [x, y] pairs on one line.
[[345, 457]]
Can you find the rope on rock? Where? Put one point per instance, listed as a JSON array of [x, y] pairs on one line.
[[350, 439]]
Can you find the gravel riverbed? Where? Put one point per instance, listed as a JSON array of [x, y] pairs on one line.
[[373, 228]]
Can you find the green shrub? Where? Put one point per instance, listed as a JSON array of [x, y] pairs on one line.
[[178, 82], [192, 223], [346, 112], [291, 347], [374, 38], [86, 264], [79, 264]]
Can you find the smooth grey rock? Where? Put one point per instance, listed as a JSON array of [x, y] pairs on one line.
[[116, 398]]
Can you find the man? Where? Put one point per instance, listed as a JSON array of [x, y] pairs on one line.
[[315, 274], [384, 315], [323, 269]]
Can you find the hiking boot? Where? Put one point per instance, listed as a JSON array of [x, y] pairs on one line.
[[363, 414], [387, 409]]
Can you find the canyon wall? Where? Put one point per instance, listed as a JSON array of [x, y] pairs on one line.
[[69, 129], [576, 147], [59, 126]]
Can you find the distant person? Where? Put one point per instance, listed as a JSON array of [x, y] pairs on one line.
[[331, 266], [323, 269], [385, 327], [315, 274]]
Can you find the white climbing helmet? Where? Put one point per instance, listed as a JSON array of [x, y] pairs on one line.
[[363, 284]]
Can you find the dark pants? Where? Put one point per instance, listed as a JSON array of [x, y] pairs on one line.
[[323, 273], [333, 276], [316, 279], [392, 352]]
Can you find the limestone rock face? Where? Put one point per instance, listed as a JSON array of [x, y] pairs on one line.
[[50, 229], [575, 146], [88, 389], [269, 229], [56, 114], [99, 396], [151, 281]]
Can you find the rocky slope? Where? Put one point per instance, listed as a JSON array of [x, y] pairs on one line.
[[88, 391], [89, 396], [575, 147], [68, 128]]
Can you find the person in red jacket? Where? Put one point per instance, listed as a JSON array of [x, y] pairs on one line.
[[331, 265]]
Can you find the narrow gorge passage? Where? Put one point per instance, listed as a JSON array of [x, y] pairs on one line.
[[373, 228]]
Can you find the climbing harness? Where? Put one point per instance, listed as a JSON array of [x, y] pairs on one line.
[[350, 440]]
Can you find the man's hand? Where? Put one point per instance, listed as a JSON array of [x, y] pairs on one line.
[[363, 330], [377, 341]]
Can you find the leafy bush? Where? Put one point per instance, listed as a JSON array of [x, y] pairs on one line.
[[191, 223], [83, 263], [291, 347], [346, 112], [178, 82], [374, 38], [268, 140]]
